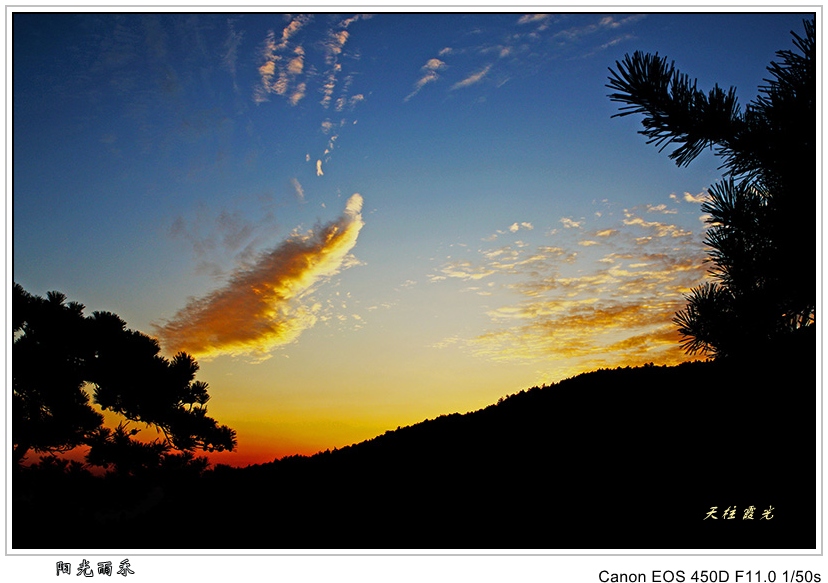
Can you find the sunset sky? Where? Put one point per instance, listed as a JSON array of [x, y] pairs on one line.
[[358, 222]]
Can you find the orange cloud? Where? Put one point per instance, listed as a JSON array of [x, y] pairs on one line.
[[268, 303], [578, 335]]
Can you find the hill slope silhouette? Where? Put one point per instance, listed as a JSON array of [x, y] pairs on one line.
[[630, 458]]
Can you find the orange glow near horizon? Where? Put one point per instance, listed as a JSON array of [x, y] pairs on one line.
[[488, 322]]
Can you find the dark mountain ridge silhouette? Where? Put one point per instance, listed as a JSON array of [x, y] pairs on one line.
[[628, 458]]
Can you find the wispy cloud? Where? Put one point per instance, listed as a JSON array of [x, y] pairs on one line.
[[533, 18], [660, 208], [657, 228], [604, 23], [267, 69], [329, 86], [336, 41], [300, 192], [294, 26], [463, 269], [231, 48], [343, 103], [473, 78], [592, 34], [282, 62], [515, 259], [333, 46], [429, 75], [220, 237], [297, 63], [268, 303]]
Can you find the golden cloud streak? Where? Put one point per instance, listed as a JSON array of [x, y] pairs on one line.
[[580, 335], [265, 305]]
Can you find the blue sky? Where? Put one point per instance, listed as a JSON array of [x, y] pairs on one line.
[[361, 221]]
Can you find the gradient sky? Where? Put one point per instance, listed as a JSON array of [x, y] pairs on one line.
[[358, 222]]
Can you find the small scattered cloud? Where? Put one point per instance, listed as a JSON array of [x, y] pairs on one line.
[[342, 103], [570, 224], [268, 303], [660, 208], [336, 41], [434, 65], [297, 64], [319, 168], [699, 198], [298, 94], [515, 227]]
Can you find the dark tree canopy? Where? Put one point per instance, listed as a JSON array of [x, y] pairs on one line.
[[50, 411], [58, 351], [762, 239]]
